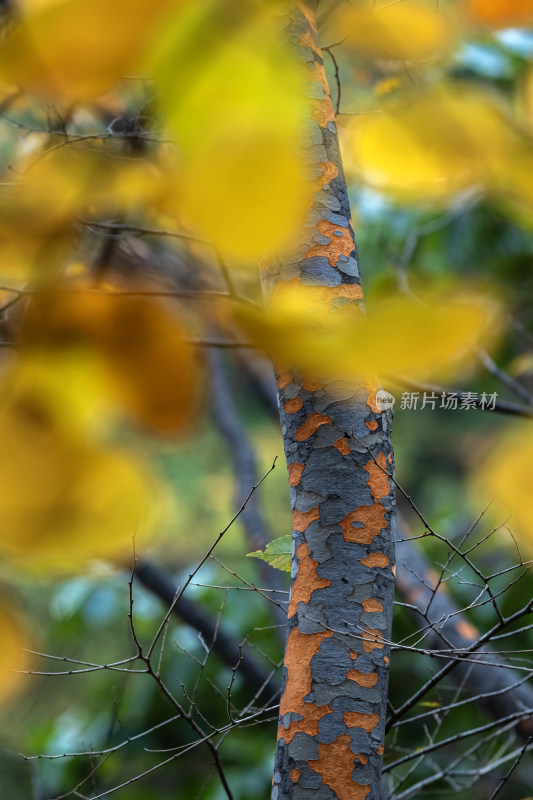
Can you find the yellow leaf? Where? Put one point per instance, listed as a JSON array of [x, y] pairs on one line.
[[72, 391], [522, 365], [14, 636], [432, 144], [510, 185], [505, 478], [76, 48], [399, 334], [411, 30], [150, 369], [249, 202], [500, 13], [525, 97], [63, 502], [236, 106], [38, 209]]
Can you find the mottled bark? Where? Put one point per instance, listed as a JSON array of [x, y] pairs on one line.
[[332, 715]]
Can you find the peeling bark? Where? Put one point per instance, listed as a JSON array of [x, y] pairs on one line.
[[332, 714]]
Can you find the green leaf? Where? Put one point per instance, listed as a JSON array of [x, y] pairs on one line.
[[277, 553]]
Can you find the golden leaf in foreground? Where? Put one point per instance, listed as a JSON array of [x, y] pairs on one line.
[[412, 30], [433, 143], [150, 369], [505, 478], [399, 334], [37, 210], [78, 49], [64, 503], [236, 106]]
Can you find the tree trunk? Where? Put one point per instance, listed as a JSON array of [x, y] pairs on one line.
[[332, 715]]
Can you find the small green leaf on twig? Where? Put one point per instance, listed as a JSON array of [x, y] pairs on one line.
[[277, 553]]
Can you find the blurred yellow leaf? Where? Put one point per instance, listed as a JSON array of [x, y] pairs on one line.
[[150, 369], [76, 48], [411, 30], [236, 105], [72, 390], [399, 334], [500, 13], [37, 210], [511, 186], [525, 97], [14, 637], [505, 477], [522, 365], [64, 502], [433, 143]]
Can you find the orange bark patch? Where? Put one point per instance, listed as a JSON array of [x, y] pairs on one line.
[[372, 640], [353, 655], [369, 604], [293, 405], [380, 749], [386, 659], [295, 473], [335, 763], [366, 679], [284, 378], [306, 580], [309, 15], [302, 519], [301, 647], [378, 480], [311, 425], [312, 385], [338, 246], [355, 719], [375, 560], [322, 111], [372, 387], [342, 446], [350, 291], [318, 295], [295, 775], [307, 40], [373, 519], [372, 424], [467, 630], [329, 171]]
